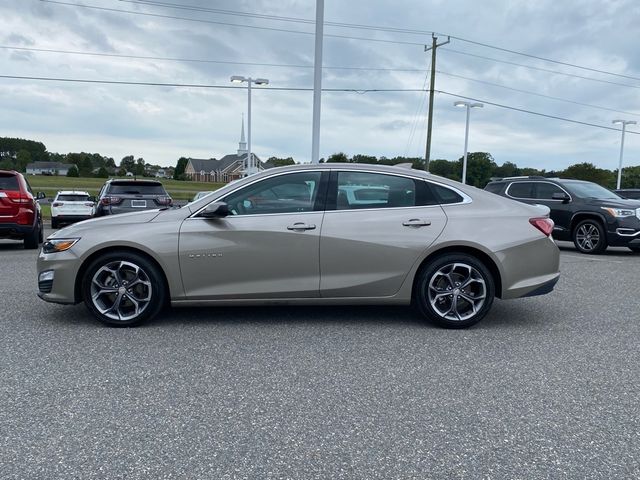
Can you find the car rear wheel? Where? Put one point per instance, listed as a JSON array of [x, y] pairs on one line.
[[455, 290], [123, 289], [54, 223], [589, 237]]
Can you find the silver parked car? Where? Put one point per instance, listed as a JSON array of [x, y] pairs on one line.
[[305, 235]]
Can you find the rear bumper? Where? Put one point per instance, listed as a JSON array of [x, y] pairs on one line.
[[70, 218], [15, 231]]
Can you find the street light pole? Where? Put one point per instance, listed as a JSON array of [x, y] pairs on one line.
[[249, 81], [468, 106], [624, 124]]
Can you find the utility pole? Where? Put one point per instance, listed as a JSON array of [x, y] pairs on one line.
[[317, 82], [433, 47]]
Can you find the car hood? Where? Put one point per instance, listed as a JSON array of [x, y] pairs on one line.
[[615, 203], [134, 218]]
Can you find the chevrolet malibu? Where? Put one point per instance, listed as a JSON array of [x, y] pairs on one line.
[[309, 234]]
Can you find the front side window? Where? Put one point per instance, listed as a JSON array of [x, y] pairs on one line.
[[289, 193], [357, 190], [545, 191]]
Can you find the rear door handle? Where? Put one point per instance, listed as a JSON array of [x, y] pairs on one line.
[[301, 226], [416, 222]]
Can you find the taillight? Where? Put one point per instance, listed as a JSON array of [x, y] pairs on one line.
[[57, 204], [164, 200], [544, 224], [19, 197], [110, 200]]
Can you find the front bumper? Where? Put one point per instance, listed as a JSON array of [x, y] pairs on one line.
[[61, 289]]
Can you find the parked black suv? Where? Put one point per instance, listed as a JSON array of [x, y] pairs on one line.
[[122, 196], [584, 212]]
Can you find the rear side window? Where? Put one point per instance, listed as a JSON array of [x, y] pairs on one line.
[[73, 198], [9, 182], [446, 195], [357, 190], [133, 188], [521, 190]]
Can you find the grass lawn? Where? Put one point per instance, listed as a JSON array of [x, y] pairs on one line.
[[50, 185]]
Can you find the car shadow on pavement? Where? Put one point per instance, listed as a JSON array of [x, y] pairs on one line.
[[8, 245], [609, 252]]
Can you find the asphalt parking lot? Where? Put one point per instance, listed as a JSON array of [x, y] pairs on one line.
[[545, 387]]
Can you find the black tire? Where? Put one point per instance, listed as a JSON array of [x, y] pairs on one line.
[[149, 292], [54, 223], [447, 273], [590, 237], [31, 239], [41, 234], [635, 249]]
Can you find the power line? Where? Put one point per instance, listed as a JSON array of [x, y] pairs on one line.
[[371, 27], [200, 20], [560, 99], [199, 60], [305, 89], [201, 85], [540, 69], [523, 110]]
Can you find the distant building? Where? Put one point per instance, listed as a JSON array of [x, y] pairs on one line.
[[49, 168], [230, 167]]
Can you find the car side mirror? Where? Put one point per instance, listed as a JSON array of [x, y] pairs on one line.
[[215, 210], [40, 195], [561, 196]]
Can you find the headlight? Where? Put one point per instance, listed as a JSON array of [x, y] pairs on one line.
[[58, 245], [620, 212]]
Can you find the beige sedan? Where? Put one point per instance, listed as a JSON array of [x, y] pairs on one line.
[[310, 234]]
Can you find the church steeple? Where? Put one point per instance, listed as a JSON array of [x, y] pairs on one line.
[[242, 145]]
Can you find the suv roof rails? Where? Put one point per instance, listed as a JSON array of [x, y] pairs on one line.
[[537, 177]]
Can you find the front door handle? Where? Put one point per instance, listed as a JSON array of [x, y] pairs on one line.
[[300, 226], [416, 222]]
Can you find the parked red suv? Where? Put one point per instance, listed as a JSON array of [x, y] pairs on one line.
[[20, 215]]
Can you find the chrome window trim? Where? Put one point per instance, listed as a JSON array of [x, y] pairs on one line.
[[506, 192]]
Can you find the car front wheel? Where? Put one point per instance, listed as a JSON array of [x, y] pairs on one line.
[[123, 289], [589, 237], [455, 290]]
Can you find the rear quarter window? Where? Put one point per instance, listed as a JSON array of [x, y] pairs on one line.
[[520, 190], [446, 195]]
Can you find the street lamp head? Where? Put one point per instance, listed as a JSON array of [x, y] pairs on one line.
[[261, 81], [460, 104], [624, 122], [477, 105], [238, 79]]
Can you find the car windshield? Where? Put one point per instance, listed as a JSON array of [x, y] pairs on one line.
[[73, 198], [591, 190], [133, 188], [9, 182]]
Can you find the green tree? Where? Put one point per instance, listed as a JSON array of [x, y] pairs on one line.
[[72, 172], [631, 177], [281, 162], [138, 169], [22, 159], [338, 158], [359, 158], [6, 164], [507, 169], [591, 173], [480, 168], [178, 173], [128, 163], [446, 168], [102, 173]]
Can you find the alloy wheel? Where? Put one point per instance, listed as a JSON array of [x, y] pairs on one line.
[[588, 237], [121, 290], [457, 291]]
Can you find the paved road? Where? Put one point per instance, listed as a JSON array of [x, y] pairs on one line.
[[544, 387]]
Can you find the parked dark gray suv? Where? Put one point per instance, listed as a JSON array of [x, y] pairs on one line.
[[122, 196], [584, 212]]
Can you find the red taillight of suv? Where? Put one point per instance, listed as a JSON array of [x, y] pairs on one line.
[[19, 197], [164, 201], [544, 224], [110, 200]]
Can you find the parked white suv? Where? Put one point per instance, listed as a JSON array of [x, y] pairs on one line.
[[71, 206]]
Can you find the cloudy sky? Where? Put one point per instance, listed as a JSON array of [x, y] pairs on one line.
[[241, 37]]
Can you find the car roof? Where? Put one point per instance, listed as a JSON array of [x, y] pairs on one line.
[[117, 181]]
